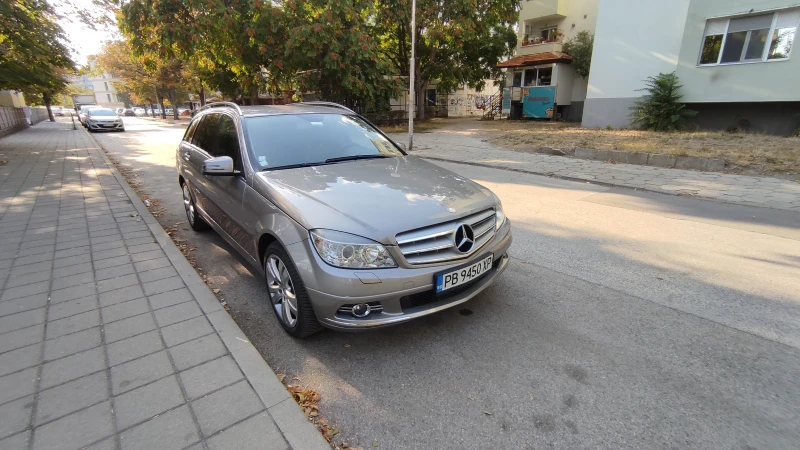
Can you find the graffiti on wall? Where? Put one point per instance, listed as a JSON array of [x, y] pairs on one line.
[[460, 105]]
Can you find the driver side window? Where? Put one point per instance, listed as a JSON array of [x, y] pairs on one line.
[[227, 141]]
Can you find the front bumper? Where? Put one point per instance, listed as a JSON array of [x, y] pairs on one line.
[[398, 294], [111, 126]]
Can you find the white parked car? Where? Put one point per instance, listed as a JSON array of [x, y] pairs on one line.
[[103, 119]]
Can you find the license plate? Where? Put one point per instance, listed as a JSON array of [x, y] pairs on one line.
[[463, 275]]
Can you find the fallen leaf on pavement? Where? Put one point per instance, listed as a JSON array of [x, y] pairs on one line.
[[487, 413]]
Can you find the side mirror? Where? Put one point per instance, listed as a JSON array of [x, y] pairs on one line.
[[220, 166]]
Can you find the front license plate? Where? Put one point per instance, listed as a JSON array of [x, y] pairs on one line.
[[458, 277]]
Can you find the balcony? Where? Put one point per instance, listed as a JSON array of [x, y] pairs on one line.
[[543, 9], [540, 47]]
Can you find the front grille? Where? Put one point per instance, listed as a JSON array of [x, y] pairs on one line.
[[425, 297], [435, 244]]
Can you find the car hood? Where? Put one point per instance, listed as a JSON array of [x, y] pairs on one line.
[[375, 198]]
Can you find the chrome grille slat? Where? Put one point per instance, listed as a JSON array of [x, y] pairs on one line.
[[434, 244]]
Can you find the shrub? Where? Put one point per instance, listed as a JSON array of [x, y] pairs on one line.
[[660, 109], [580, 48]]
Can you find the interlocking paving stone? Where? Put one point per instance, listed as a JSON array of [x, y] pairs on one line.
[[252, 434], [134, 347], [186, 331], [147, 401], [75, 430], [72, 396], [21, 338], [210, 376], [72, 367], [131, 326], [197, 351], [138, 372], [130, 308], [72, 324], [76, 261], [19, 359], [71, 343], [226, 407], [173, 429], [18, 385]]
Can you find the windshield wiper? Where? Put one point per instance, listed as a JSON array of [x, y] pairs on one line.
[[294, 166], [354, 157]]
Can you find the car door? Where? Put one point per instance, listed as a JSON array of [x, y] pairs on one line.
[[227, 193], [199, 150]]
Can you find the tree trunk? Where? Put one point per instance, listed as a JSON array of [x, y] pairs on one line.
[[47, 100], [202, 96], [163, 110], [420, 88], [152, 109], [172, 96]]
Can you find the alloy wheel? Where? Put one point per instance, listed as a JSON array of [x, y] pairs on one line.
[[188, 205], [281, 291]]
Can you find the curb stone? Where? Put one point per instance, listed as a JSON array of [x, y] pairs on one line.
[[298, 431], [647, 159]]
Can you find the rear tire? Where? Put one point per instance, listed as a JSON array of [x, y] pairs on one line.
[[287, 294], [195, 221]]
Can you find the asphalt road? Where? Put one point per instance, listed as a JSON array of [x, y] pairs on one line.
[[626, 320]]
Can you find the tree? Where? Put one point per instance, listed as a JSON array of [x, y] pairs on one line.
[[334, 53], [660, 109], [580, 48], [458, 42], [33, 57]]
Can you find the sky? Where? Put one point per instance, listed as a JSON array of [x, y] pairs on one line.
[[83, 41]]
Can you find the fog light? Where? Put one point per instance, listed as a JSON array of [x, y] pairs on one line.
[[361, 310]]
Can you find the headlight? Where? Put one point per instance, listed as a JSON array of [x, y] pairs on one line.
[[499, 216], [350, 251]]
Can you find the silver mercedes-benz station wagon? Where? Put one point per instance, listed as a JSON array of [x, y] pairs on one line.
[[349, 230]]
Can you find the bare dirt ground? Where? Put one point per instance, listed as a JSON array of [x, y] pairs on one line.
[[747, 153]]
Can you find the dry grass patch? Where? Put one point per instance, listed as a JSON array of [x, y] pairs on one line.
[[744, 152], [425, 126]]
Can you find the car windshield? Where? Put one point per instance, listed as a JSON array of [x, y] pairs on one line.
[[309, 139], [101, 112]]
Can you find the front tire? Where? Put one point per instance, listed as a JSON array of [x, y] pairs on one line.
[[195, 221], [287, 294]]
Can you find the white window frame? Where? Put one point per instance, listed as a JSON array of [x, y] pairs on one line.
[[765, 52]]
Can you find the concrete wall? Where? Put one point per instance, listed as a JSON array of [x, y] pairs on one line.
[[13, 99], [745, 82], [633, 40], [780, 118], [12, 120]]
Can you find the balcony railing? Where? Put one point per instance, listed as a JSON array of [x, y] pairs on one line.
[[538, 41]]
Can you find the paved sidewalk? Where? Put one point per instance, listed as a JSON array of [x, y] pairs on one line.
[[108, 337], [459, 142]]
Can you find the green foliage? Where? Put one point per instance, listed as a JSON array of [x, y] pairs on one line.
[[660, 109], [332, 49], [33, 57], [458, 42], [580, 48]]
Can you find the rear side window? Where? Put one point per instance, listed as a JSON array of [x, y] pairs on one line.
[[187, 137], [227, 139], [204, 133]]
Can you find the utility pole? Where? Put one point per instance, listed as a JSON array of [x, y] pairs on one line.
[[411, 93]]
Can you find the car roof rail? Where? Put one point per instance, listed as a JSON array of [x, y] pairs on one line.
[[221, 104], [330, 105]]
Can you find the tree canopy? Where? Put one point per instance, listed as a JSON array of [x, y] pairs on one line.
[[33, 56]]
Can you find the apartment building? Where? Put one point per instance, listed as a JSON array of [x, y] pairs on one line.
[[540, 80], [733, 57], [102, 87]]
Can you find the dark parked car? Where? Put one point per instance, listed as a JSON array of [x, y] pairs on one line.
[[129, 113]]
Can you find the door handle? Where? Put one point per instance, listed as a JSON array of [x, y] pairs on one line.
[[187, 156]]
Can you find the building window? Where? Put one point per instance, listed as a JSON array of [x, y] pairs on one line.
[[109, 97], [761, 37], [430, 97], [541, 76], [106, 84], [517, 80]]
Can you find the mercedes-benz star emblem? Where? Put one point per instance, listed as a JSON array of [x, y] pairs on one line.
[[464, 238]]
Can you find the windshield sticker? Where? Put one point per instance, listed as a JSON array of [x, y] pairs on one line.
[[262, 160]]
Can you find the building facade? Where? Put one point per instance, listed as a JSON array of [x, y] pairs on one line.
[[102, 87], [733, 57], [540, 80]]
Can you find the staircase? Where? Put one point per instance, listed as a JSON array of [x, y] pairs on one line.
[[494, 106]]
